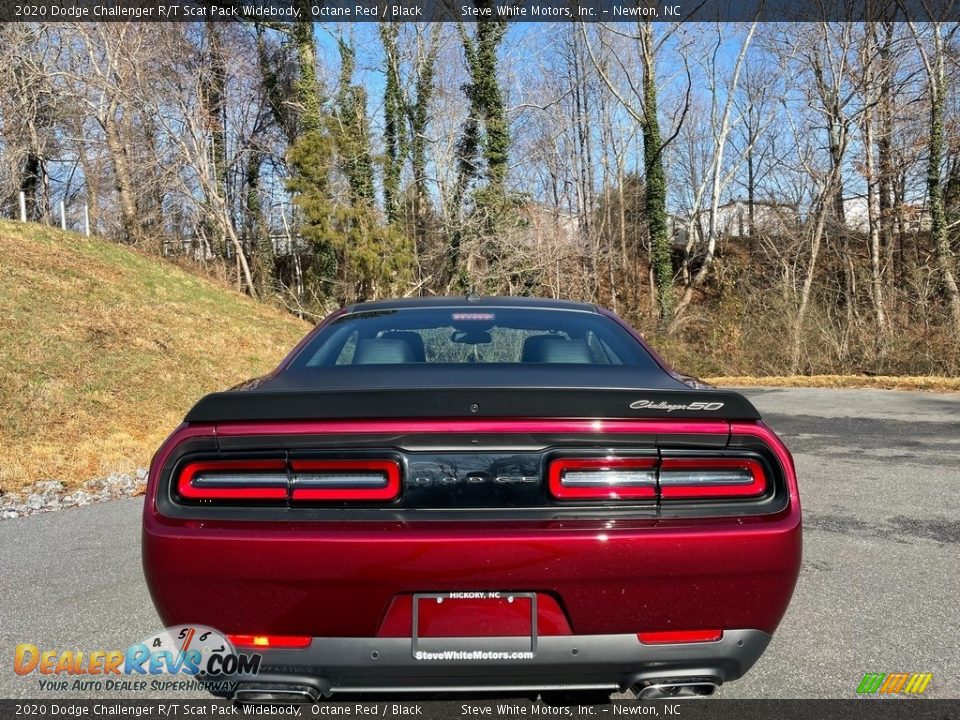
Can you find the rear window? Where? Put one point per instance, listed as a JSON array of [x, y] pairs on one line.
[[473, 335]]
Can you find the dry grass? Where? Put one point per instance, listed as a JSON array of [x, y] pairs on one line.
[[884, 382], [103, 350]]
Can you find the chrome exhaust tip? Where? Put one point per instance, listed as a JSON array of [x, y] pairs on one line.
[[275, 694], [676, 688]]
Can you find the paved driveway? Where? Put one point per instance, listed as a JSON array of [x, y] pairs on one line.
[[880, 484]]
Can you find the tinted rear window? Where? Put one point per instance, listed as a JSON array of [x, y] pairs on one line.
[[473, 335]]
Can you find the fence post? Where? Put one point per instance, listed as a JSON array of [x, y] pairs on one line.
[[23, 206], [86, 219], [63, 215]]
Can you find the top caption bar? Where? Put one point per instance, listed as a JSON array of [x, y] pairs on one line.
[[607, 11]]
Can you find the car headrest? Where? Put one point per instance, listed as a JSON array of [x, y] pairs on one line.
[[559, 350], [413, 339], [380, 351], [532, 347]]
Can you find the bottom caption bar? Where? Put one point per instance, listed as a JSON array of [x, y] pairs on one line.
[[868, 709]]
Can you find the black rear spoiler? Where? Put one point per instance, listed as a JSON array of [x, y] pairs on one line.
[[487, 402]]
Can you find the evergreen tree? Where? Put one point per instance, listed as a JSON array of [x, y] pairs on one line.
[[352, 129], [394, 132]]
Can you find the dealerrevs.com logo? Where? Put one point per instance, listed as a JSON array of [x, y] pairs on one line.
[[182, 657]]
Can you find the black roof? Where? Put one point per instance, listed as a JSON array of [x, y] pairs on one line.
[[472, 301]]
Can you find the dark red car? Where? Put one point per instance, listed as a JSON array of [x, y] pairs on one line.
[[476, 494]]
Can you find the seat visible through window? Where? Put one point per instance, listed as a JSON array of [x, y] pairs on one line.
[[380, 351], [553, 349], [413, 339], [532, 348]]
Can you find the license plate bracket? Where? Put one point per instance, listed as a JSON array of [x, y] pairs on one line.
[[474, 622]]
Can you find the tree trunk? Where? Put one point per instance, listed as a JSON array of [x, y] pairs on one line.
[[656, 181], [938, 219], [751, 193], [123, 180], [873, 209], [213, 83], [823, 207], [885, 112], [244, 266], [873, 216], [394, 115], [306, 87]]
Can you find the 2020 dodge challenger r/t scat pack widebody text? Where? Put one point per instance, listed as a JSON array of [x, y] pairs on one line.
[[475, 494]]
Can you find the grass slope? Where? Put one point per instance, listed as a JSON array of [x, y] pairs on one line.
[[876, 382], [103, 350]]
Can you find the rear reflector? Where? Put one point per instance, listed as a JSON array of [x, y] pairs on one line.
[[234, 480], [669, 637], [603, 478], [345, 480], [705, 478], [270, 641]]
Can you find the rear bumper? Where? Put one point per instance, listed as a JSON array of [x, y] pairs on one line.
[[341, 665], [608, 578]]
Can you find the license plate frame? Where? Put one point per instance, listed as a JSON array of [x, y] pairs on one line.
[[497, 644]]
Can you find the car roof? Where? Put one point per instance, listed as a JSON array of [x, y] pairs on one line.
[[471, 301]]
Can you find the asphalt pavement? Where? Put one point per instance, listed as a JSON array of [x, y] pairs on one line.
[[880, 487]]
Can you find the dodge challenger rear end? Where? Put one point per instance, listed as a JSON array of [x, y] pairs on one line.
[[475, 494]]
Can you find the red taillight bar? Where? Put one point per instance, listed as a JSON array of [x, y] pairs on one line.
[[345, 480], [682, 478], [270, 641], [329, 480], [603, 478], [669, 637], [670, 478], [234, 480]]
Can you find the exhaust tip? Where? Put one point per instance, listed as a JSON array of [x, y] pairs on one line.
[[676, 688], [275, 694]]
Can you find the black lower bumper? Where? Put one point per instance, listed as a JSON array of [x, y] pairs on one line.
[[341, 665]]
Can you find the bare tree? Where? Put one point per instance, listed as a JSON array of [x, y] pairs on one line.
[[30, 112], [719, 176], [932, 47], [641, 103], [871, 88]]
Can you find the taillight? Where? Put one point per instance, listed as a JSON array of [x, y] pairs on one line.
[[670, 637], [706, 478], [313, 480], [270, 641], [234, 480], [345, 480], [603, 478], [669, 478]]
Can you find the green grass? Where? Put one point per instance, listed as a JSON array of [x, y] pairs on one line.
[[103, 349]]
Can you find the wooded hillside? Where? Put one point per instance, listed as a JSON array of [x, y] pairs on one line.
[[760, 198]]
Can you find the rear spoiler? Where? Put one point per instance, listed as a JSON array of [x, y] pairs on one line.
[[620, 403]]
